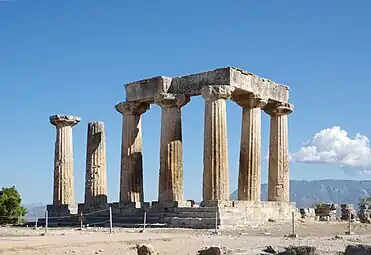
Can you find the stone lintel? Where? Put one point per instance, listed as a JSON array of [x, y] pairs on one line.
[[144, 90], [132, 108], [191, 85], [64, 120], [167, 100], [278, 109]]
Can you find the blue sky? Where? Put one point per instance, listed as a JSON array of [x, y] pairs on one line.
[[73, 57]]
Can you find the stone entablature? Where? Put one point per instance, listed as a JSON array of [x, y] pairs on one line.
[[191, 85], [251, 92]]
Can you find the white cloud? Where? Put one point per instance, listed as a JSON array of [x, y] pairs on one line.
[[334, 146]]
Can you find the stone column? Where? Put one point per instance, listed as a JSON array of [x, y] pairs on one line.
[[96, 178], [278, 170], [171, 158], [63, 193], [131, 179], [250, 152], [215, 176]]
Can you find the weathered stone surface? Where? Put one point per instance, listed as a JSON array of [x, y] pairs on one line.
[[278, 170], [348, 212], [191, 85], [357, 249], [96, 177], [171, 156], [131, 180], [215, 175], [299, 250], [63, 159], [145, 249], [364, 212], [213, 250], [250, 152]]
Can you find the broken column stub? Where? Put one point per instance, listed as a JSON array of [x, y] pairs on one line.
[[131, 178], [278, 169], [96, 177], [215, 174], [171, 156], [63, 193], [249, 180]]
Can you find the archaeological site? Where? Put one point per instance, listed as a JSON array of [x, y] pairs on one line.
[[251, 92]]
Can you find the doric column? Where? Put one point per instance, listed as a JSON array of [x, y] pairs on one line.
[[250, 151], [131, 179], [171, 159], [278, 170], [215, 176], [96, 178], [63, 159]]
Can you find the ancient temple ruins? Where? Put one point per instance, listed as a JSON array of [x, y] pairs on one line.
[[251, 92]]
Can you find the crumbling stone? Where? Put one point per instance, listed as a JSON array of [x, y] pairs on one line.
[[326, 212], [307, 212], [145, 249], [347, 212], [364, 213], [299, 250], [357, 249], [213, 250]]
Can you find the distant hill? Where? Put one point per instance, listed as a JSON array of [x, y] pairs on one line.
[[33, 210], [308, 193]]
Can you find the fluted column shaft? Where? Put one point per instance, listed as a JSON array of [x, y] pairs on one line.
[[171, 154], [96, 178], [131, 179], [278, 170], [215, 175], [63, 192], [249, 180]]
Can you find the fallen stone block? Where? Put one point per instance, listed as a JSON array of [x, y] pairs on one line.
[[213, 250], [357, 249], [299, 250], [145, 249]]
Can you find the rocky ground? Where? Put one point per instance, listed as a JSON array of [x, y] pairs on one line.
[[328, 237]]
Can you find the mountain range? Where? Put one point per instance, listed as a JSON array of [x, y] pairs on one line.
[[308, 193]]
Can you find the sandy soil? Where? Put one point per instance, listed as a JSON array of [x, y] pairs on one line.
[[249, 240]]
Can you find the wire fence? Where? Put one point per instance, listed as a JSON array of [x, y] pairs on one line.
[[98, 218]]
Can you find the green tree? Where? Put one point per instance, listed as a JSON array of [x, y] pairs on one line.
[[10, 206]]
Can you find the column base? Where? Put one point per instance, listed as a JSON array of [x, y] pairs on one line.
[[171, 204], [124, 205], [61, 210]]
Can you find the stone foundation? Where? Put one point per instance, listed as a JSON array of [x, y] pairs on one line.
[[180, 214], [61, 210]]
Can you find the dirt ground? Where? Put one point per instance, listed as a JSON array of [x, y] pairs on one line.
[[249, 240]]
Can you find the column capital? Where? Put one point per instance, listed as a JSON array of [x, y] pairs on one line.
[[250, 101], [279, 109], [217, 92], [64, 120], [132, 108], [167, 100]]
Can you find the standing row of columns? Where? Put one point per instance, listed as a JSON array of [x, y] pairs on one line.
[[215, 174], [95, 179]]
